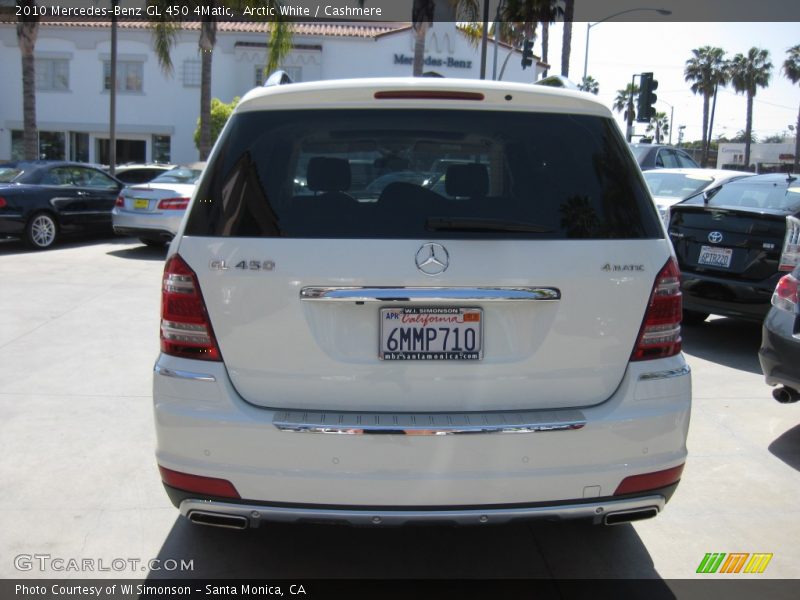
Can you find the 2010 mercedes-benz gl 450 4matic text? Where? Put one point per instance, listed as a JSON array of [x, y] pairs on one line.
[[489, 332]]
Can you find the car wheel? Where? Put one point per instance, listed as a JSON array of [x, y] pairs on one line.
[[41, 231], [692, 317], [153, 243]]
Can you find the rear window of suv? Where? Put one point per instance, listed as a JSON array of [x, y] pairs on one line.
[[410, 174]]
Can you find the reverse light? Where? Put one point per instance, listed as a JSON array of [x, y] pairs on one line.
[[787, 294], [790, 255], [660, 335], [185, 326], [173, 204], [209, 486], [649, 481]]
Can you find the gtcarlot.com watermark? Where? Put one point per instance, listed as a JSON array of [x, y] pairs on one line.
[[58, 564]]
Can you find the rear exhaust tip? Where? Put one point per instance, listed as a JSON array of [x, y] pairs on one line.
[[785, 395], [627, 516], [213, 519]]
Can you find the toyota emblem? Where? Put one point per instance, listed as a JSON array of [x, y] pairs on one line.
[[715, 237], [432, 259]]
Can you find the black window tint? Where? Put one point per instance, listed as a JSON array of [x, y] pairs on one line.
[[416, 174]]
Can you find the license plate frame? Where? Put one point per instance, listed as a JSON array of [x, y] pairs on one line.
[[712, 256], [141, 204], [456, 344]]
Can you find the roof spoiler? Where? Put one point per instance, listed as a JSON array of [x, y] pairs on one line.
[[278, 78], [558, 81]]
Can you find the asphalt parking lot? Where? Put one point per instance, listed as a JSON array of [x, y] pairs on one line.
[[78, 339]]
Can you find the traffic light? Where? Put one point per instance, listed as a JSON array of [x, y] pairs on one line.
[[527, 53], [647, 98]]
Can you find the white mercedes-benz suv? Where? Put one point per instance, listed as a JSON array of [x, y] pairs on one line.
[[420, 300]]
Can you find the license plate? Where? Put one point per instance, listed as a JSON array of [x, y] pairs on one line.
[[431, 333], [715, 257], [140, 203]]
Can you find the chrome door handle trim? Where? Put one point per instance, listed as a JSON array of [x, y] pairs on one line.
[[429, 294]]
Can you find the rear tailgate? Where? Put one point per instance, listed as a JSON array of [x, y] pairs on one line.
[[728, 242], [286, 352]]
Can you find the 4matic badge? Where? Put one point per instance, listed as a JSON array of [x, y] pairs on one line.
[[609, 268]]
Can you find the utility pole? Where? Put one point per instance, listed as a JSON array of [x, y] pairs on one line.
[[112, 94]]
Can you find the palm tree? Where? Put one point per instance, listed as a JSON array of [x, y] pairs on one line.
[[421, 20], [707, 69], [748, 73], [165, 35], [27, 30], [791, 68], [626, 97], [566, 40], [660, 124], [589, 84]]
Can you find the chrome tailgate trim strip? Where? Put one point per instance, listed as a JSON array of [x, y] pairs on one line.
[[429, 294]]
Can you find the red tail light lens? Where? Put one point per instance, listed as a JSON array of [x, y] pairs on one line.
[[660, 335], [3, 202], [173, 204], [185, 326], [210, 486], [787, 294], [649, 481]]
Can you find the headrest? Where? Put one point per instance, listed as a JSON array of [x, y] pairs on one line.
[[328, 174], [470, 180]]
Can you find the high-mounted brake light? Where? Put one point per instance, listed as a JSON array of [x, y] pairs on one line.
[[185, 326], [790, 255], [427, 95], [660, 335], [173, 204], [787, 294]]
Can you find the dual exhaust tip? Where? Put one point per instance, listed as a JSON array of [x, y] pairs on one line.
[[215, 519]]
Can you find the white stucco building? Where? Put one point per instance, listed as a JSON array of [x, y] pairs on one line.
[[774, 154], [157, 114]]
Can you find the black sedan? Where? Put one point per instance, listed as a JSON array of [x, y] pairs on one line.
[[42, 200], [780, 345], [659, 156], [734, 243]]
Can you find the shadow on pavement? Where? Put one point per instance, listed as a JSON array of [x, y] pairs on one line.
[[141, 253], [728, 342], [787, 447], [9, 246], [521, 550]]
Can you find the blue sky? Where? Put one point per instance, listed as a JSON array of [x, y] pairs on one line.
[[617, 50]]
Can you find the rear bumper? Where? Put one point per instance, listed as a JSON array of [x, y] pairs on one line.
[[252, 514], [204, 428], [780, 349], [160, 225], [730, 298]]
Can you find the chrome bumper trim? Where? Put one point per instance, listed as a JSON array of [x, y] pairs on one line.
[[165, 372], [428, 423], [679, 372], [473, 516], [429, 294]]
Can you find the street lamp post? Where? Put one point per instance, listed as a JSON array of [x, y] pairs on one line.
[[671, 115], [661, 11]]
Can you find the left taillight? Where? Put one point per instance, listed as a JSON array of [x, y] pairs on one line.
[[660, 335], [185, 326], [120, 203], [787, 294], [790, 255], [173, 204]]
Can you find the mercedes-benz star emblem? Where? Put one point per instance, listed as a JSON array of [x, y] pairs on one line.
[[715, 237], [432, 259]]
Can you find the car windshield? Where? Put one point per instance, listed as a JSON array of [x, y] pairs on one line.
[[676, 185], [409, 173], [760, 195], [9, 174], [178, 175]]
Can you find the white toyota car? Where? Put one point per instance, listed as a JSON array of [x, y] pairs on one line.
[[505, 346]]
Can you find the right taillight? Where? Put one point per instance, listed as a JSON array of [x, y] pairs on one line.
[[787, 294], [173, 204], [185, 326], [3, 202], [790, 255], [660, 335]]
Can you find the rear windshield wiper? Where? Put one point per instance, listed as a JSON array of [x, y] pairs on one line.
[[480, 224]]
